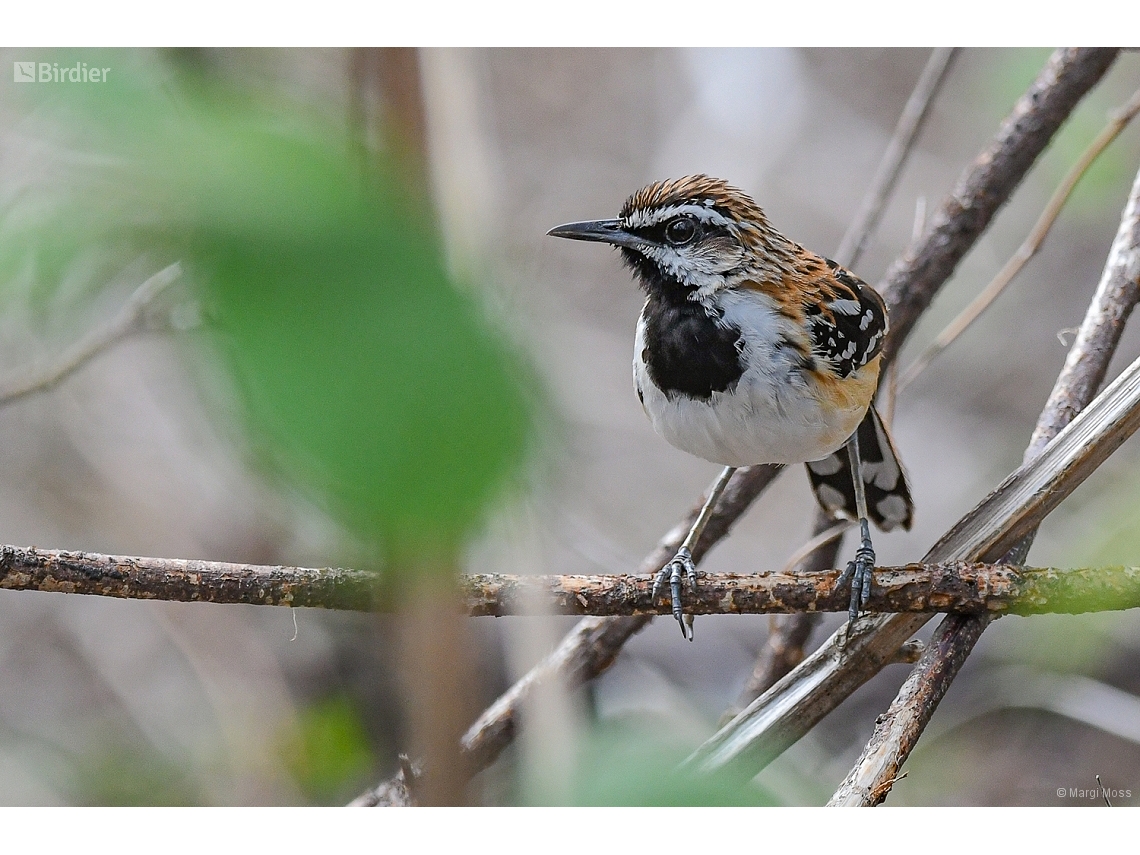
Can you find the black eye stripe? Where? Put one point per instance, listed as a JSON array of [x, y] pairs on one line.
[[659, 232]]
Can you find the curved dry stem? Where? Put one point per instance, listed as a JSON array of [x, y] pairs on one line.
[[1116, 124], [127, 321]]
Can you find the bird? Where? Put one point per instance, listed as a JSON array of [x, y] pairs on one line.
[[750, 350]]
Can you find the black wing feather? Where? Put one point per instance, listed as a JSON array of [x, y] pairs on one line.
[[889, 503]]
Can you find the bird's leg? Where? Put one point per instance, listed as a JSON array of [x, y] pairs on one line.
[[683, 561], [859, 570]]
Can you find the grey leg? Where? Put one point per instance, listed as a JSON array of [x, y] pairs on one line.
[[683, 561], [859, 570]]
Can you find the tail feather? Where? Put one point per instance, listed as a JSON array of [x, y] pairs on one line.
[[889, 503]]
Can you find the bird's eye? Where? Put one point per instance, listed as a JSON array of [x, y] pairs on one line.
[[681, 231]]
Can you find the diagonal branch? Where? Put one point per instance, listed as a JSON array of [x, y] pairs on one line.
[[897, 732], [890, 167], [822, 681], [992, 528], [1116, 124], [788, 636], [912, 283], [593, 644]]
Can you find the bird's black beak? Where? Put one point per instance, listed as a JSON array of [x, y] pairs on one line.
[[603, 231]]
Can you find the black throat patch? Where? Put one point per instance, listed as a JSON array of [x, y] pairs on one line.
[[686, 352]]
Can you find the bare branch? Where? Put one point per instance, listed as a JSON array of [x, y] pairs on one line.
[[1116, 296], [128, 320], [1013, 509], [886, 176], [897, 732], [190, 581], [953, 587], [1116, 123], [785, 648], [823, 680], [398, 791], [586, 651], [987, 183], [913, 283]]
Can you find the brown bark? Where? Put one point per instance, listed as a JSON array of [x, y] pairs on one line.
[[843, 663], [986, 184], [897, 731], [954, 587]]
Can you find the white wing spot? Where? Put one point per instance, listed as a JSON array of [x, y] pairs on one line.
[[828, 466], [829, 497], [884, 474], [893, 510]]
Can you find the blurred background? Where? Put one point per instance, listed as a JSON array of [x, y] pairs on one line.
[[183, 440]]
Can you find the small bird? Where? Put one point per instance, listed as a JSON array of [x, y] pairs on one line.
[[751, 349]]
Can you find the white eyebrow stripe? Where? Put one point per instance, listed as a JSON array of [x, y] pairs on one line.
[[643, 217]]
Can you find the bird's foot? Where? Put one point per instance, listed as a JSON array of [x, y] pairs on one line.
[[682, 563], [858, 573]]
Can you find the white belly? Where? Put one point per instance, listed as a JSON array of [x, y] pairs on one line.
[[770, 416]]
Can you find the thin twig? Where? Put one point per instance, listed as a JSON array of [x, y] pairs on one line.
[[897, 732], [127, 321], [911, 285], [835, 529], [984, 187], [890, 167], [788, 636], [823, 680], [1116, 124]]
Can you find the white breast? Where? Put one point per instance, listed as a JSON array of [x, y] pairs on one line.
[[772, 415]]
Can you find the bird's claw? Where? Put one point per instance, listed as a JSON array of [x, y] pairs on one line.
[[858, 573], [682, 563]]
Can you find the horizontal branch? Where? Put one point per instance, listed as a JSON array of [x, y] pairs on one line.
[[953, 587], [189, 581]]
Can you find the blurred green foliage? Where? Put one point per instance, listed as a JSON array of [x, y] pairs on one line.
[[365, 376], [624, 764], [1110, 176], [329, 753], [118, 773]]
